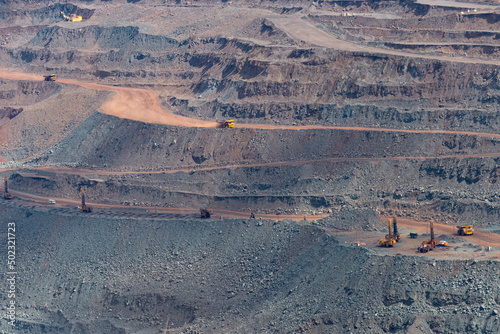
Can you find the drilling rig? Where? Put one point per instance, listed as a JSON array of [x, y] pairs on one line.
[[428, 245], [6, 194], [390, 239], [84, 207], [395, 226]]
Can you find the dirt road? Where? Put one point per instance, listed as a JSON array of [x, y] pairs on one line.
[[456, 4], [142, 105], [82, 171], [480, 238], [63, 202], [305, 32]]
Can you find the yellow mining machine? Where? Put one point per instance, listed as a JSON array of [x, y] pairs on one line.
[[84, 207], [428, 245], [6, 194], [51, 77], [227, 124], [465, 230], [72, 17], [205, 213], [395, 235], [390, 239]]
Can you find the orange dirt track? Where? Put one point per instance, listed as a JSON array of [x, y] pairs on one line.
[[142, 105]]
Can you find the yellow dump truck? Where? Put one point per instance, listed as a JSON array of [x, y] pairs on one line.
[[465, 230], [51, 77], [72, 17], [227, 124]]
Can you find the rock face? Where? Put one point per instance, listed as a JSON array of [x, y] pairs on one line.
[[233, 276]]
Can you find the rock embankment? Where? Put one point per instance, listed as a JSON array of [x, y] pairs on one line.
[[233, 276]]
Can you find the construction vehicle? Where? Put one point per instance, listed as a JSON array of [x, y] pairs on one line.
[[72, 17], [205, 213], [51, 77], [428, 245], [227, 124], [389, 240], [6, 194], [395, 227], [465, 230], [84, 207]]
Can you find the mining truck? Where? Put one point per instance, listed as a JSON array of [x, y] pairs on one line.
[[72, 17], [51, 77], [205, 213], [227, 124], [465, 230]]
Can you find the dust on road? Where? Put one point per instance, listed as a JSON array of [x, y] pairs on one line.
[[143, 105]]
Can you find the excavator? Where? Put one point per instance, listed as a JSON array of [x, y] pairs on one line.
[[227, 124], [51, 77], [6, 194], [428, 245], [390, 239], [84, 207], [72, 17]]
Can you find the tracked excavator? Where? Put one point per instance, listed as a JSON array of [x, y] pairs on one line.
[[84, 207], [6, 194], [390, 239]]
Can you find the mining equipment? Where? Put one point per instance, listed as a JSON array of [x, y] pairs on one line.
[[6, 194], [72, 17], [84, 207], [227, 124], [395, 227], [465, 230], [51, 77], [205, 213], [389, 240], [428, 245]]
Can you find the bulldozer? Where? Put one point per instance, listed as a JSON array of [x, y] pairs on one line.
[[72, 17], [465, 230], [6, 194], [84, 207], [428, 245], [205, 213], [51, 77], [390, 239], [227, 124]]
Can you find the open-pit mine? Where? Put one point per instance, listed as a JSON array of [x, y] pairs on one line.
[[274, 166]]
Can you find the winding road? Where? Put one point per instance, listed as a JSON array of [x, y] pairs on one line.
[[143, 105]]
